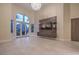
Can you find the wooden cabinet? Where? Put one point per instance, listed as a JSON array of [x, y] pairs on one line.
[[48, 27]]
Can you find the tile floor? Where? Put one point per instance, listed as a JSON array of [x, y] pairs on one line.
[[38, 46]]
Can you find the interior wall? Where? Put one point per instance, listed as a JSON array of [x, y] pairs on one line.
[[44, 13], [50, 11], [74, 10], [18, 9], [64, 13], [5, 14], [67, 22], [60, 19]]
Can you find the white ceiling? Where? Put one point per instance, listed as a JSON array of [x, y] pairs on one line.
[[28, 5]]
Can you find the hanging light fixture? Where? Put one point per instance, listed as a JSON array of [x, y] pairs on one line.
[[36, 6]]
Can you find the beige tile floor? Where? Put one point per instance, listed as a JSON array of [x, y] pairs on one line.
[[38, 46]]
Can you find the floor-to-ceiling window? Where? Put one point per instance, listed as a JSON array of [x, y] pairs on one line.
[[22, 25]]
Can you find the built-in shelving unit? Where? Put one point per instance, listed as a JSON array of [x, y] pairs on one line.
[[48, 27]]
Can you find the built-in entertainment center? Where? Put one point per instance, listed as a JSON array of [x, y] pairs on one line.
[[48, 27]]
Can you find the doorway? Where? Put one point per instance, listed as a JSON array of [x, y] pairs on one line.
[[22, 25], [75, 29]]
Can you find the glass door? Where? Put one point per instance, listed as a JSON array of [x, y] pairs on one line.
[[22, 25], [23, 29], [18, 29], [27, 28], [26, 21]]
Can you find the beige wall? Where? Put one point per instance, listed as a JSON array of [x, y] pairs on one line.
[[60, 17], [74, 10], [18, 9], [50, 11], [5, 14], [64, 13], [67, 23], [8, 12], [44, 13]]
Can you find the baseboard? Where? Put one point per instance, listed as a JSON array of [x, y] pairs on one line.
[[33, 34], [3, 41], [59, 39]]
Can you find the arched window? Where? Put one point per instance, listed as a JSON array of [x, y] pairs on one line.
[[19, 17]]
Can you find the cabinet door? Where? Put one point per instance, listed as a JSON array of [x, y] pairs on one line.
[[75, 29]]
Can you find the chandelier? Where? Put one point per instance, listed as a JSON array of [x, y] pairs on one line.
[[36, 6]]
